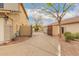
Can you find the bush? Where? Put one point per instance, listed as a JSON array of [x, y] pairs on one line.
[[73, 36], [68, 36], [76, 35], [67, 33]]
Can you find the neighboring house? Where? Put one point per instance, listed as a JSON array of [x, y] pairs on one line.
[[13, 22], [67, 25], [49, 30], [45, 29]]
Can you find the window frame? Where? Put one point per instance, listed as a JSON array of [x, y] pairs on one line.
[[1, 5]]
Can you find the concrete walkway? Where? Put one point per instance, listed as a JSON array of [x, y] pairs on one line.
[[39, 44], [70, 49]]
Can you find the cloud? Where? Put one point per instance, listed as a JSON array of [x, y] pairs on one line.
[[70, 15], [35, 13]]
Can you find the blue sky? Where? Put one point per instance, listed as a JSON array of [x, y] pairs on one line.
[[35, 6], [30, 6]]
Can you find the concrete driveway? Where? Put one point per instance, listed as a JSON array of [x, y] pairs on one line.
[[39, 44]]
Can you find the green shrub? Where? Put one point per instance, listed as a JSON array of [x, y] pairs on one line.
[[76, 35], [68, 36], [67, 33], [73, 36]]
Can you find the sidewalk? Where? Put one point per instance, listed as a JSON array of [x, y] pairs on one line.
[[39, 44], [69, 48]]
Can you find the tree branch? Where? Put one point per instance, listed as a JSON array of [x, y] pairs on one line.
[[65, 10], [49, 13]]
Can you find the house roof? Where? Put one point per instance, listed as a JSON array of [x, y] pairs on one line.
[[69, 21]]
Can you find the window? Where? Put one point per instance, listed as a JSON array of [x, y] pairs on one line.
[[1, 5]]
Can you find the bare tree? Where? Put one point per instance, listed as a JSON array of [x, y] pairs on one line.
[[58, 11]]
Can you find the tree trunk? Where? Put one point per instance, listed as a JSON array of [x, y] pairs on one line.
[[60, 31], [60, 36]]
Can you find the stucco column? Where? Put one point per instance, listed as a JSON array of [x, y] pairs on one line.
[[2, 30], [7, 30]]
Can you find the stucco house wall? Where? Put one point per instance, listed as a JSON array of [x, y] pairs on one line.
[[5, 31], [1, 30], [15, 23], [11, 6], [71, 28], [55, 30], [26, 29], [69, 25], [11, 25], [20, 19]]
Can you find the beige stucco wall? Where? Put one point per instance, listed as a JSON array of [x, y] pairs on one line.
[[9, 28], [55, 30], [6, 31], [24, 21], [11, 6], [20, 19], [15, 23], [71, 28], [1, 30], [23, 17], [5, 35], [25, 30]]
